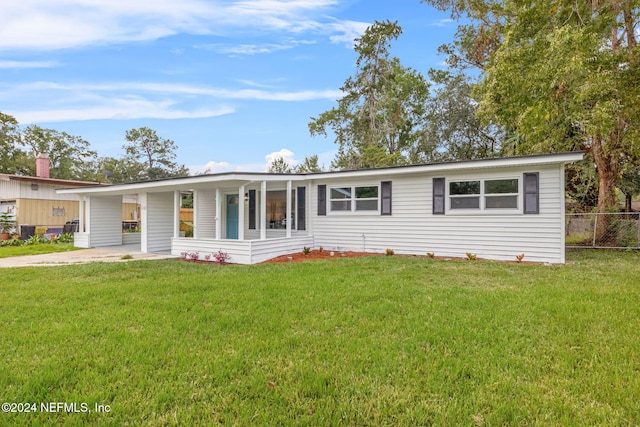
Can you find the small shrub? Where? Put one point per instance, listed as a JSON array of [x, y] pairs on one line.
[[520, 257], [12, 242], [127, 256], [321, 249], [472, 257], [221, 257], [37, 239], [63, 238], [306, 250], [389, 252], [207, 257], [431, 255], [190, 256]]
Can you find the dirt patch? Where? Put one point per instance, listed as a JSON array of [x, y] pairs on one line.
[[316, 254]]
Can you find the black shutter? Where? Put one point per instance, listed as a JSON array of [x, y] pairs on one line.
[[252, 209], [302, 191], [532, 193], [322, 200], [438, 196], [385, 189]]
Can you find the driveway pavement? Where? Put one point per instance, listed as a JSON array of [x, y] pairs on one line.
[[81, 256]]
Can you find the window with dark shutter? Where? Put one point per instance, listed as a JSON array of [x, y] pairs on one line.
[[532, 193], [252, 209], [322, 200], [438, 196], [302, 191], [385, 201]]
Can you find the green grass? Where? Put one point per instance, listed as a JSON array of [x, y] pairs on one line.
[[44, 248], [371, 341]]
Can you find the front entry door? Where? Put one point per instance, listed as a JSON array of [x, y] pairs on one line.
[[232, 216]]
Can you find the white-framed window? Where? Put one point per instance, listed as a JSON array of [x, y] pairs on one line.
[[363, 198], [484, 195]]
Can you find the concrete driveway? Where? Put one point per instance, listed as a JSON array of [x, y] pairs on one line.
[[81, 256]]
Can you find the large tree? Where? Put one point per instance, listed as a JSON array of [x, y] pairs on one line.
[[9, 141], [453, 131], [70, 156], [156, 154], [379, 119], [558, 75]]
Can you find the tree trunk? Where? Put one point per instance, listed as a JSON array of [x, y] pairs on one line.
[[607, 168]]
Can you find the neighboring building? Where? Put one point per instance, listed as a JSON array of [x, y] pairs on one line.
[[34, 201], [496, 208]]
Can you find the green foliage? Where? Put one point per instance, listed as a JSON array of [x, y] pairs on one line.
[[7, 222], [389, 252], [280, 165], [37, 239], [370, 341], [453, 131], [378, 122], [155, 155], [309, 165], [63, 238], [11, 242], [70, 156], [557, 76]]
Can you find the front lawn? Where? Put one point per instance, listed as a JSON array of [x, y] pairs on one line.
[[44, 248], [368, 341]]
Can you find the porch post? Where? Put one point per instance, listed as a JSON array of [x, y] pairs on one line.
[[81, 213], [263, 210], [87, 214], [241, 213], [176, 213], [218, 213], [288, 216], [195, 214], [142, 198]]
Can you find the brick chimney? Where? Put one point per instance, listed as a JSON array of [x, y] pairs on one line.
[[42, 165]]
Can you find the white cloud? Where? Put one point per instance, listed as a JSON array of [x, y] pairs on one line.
[[47, 25], [211, 167], [182, 90], [442, 22], [118, 109], [28, 64], [283, 153], [130, 100], [221, 167]]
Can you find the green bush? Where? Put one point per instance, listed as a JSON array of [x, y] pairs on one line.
[[12, 242]]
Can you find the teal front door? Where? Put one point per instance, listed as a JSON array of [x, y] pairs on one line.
[[232, 216]]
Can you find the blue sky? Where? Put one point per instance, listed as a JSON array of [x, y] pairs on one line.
[[233, 83]]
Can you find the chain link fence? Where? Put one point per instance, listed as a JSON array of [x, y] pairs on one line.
[[608, 230]]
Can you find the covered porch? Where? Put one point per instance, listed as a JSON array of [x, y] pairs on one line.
[[252, 217]]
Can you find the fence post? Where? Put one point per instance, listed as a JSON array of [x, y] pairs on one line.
[[638, 232], [595, 229]]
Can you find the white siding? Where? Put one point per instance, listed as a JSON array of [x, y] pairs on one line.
[[241, 252], [106, 221], [157, 221], [412, 229], [262, 250], [10, 190], [205, 210]]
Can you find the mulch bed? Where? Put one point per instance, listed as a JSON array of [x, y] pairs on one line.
[[316, 254]]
